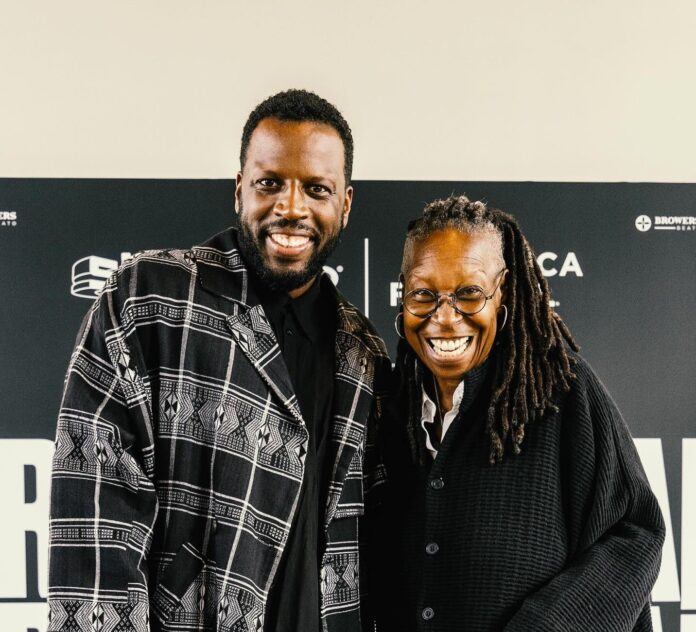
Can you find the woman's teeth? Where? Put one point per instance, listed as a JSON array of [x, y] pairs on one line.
[[450, 347], [289, 241]]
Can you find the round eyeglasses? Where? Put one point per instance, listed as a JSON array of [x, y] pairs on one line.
[[466, 301]]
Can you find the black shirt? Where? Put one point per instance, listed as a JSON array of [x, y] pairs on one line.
[[306, 330]]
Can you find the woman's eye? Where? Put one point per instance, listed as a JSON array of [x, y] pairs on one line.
[[422, 295], [469, 292]]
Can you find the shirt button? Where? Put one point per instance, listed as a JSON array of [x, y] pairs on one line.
[[289, 332], [437, 483], [428, 613], [432, 548]]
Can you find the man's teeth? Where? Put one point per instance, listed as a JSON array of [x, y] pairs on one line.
[[450, 346], [291, 241]]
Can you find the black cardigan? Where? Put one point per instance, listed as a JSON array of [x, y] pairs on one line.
[[565, 536]]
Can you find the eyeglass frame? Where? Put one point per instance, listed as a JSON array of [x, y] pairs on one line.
[[452, 297]]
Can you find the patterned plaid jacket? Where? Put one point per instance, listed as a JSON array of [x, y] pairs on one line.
[[180, 453]]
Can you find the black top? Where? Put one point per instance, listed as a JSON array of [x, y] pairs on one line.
[[564, 536], [306, 329]]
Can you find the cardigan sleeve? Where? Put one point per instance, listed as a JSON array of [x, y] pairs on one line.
[[614, 524], [103, 501]]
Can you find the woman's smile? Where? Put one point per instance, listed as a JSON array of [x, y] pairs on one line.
[[449, 348]]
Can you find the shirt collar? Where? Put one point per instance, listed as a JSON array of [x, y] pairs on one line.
[[430, 408], [312, 311], [463, 396]]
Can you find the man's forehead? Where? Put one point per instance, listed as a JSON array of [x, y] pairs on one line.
[[273, 136]]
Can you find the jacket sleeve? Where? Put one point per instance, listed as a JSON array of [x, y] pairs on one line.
[[614, 525], [103, 501], [374, 479]]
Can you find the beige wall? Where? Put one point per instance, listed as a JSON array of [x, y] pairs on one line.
[[542, 90]]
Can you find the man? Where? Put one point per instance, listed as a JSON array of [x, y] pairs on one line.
[[210, 463]]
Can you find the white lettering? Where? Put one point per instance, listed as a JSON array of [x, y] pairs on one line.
[[671, 220], [394, 293], [20, 617], [667, 585], [571, 264], [688, 530], [543, 258], [656, 619], [20, 516]]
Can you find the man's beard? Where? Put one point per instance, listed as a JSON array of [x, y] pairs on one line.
[[250, 247]]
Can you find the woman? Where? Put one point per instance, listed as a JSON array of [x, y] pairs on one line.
[[515, 499]]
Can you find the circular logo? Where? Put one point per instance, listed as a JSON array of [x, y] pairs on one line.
[[643, 223]]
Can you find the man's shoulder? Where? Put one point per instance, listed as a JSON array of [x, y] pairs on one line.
[[351, 319], [168, 272]]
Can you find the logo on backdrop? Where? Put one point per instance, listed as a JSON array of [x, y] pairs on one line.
[[644, 223], [8, 218], [89, 274]]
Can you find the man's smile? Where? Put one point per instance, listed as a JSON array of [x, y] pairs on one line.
[[288, 244]]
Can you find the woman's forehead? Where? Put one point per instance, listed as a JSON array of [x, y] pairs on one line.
[[453, 253]]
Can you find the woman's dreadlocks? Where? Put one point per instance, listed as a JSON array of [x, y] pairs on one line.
[[532, 364]]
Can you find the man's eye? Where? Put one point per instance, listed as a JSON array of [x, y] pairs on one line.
[[267, 183], [318, 190]]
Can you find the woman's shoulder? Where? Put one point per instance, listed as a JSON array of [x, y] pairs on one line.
[[588, 410], [587, 387]]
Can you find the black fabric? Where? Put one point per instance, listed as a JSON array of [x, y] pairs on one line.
[[306, 329], [565, 536]]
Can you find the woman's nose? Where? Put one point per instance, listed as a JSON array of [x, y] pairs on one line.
[[445, 313]]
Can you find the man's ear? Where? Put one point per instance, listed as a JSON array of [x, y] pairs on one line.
[[238, 193], [347, 204]]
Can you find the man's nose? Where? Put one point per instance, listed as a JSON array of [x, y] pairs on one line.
[[291, 203]]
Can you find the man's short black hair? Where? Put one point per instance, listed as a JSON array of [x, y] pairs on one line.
[[300, 105]]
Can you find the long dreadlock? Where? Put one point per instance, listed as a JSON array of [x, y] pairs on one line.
[[532, 363]]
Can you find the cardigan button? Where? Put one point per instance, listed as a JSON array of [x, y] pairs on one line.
[[427, 614], [437, 483], [431, 548]]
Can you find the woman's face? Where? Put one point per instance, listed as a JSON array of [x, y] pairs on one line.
[[447, 342]]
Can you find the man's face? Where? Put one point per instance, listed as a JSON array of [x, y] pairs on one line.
[[292, 201]]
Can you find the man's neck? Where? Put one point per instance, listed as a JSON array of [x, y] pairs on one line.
[[297, 292]]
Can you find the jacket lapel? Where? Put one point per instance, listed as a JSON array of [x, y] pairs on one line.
[[352, 401], [221, 271], [254, 336]]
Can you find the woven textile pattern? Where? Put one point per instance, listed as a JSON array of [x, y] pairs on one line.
[[180, 453]]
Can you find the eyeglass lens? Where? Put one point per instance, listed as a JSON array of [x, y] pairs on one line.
[[424, 302]]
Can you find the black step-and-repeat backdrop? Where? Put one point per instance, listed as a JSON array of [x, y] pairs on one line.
[[620, 259]]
